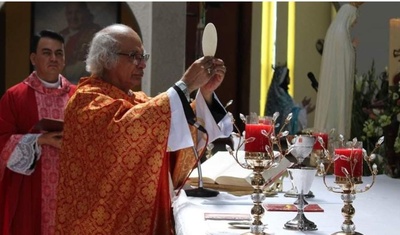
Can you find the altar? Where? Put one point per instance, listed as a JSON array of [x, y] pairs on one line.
[[377, 210]]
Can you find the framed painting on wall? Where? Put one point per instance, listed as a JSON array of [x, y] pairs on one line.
[[77, 22]]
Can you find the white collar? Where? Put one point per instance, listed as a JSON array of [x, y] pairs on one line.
[[51, 84]]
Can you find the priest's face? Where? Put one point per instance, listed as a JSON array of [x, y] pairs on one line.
[[49, 59], [129, 70]]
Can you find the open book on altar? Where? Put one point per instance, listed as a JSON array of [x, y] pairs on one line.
[[221, 171]]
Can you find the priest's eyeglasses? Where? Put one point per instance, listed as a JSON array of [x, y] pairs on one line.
[[136, 57]]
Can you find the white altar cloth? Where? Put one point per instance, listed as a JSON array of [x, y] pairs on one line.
[[377, 210]]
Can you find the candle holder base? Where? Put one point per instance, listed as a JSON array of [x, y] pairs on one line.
[[343, 233], [263, 233], [201, 192], [259, 230], [300, 222], [293, 193]]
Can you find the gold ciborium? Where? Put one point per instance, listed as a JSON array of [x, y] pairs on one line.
[[259, 141], [348, 160]]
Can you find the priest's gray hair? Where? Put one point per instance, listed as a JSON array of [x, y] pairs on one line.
[[102, 53]]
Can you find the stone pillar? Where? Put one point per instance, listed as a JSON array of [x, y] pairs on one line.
[[163, 28]]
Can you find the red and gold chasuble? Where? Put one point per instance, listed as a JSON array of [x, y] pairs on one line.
[[113, 164]]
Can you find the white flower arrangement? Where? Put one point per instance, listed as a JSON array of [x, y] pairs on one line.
[[376, 112]]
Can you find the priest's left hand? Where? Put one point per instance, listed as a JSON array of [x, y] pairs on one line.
[[217, 74]]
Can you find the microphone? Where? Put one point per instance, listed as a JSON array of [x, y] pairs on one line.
[[314, 82], [197, 125]]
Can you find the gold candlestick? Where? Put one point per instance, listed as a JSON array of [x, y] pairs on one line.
[[348, 187], [259, 162]]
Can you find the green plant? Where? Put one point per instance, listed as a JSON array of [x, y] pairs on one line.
[[376, 108]]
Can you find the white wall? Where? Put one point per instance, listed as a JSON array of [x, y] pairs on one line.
[[255, 66], [372, 31], [163, 27]]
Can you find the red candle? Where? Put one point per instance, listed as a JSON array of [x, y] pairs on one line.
[[254, 130], [349, 158], [317, 144]]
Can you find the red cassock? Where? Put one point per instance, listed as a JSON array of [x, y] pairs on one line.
[[27, 202]]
